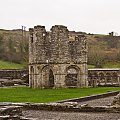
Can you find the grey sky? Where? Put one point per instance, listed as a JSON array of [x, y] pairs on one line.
[[94, 16]]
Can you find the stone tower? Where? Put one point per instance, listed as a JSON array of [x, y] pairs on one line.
[[57, 58]]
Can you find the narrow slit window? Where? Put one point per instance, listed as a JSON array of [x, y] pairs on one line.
[[31, 37]]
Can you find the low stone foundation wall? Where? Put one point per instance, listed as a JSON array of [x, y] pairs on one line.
[[12, 73], [13, 77], [68, 106], [13, 82], [12, 112]]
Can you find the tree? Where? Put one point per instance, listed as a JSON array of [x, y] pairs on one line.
[[96, 56]]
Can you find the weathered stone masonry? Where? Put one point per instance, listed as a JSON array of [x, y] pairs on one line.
[[57, 58]]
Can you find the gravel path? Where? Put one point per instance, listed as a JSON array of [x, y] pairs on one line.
[[51, 115], [47, 115], [99, 102]]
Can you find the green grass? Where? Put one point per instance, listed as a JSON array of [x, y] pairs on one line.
[[25, 94], [9, 65], [107, 65], [112, 65], [91, 66]]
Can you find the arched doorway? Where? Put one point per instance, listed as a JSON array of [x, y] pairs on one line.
[[47, 77], [71, 77], [51, 78]]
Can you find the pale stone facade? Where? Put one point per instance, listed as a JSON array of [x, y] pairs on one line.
[[57, 58]]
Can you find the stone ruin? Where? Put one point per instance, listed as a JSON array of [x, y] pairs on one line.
[[57, 58], [13, 77], [104, 77], [116, 101]]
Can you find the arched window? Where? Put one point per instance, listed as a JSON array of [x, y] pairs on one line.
[[101, 76], [31, 38], [115, 77], [95, 75], [90, 79], [51, 78], [71, 78], [47, 77], [108, 77]]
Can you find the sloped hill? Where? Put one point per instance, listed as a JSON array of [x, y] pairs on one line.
[[14, 45], [103, 50]]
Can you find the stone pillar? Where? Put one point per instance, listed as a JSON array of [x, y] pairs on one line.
[[83, 76], [59, 80], [60, 76], [37, 77], [30, 79], [118, 80]]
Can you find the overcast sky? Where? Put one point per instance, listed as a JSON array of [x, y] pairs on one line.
[[91, 16]]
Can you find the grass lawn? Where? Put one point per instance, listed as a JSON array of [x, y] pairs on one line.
[[25, 94], [91, 66], [9, 65], [112, 65]]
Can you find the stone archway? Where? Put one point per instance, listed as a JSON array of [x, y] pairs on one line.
[[51, 78], [47, 77], [114, 77], [102, 78], [108, 77], [90, 77], [71, 77]]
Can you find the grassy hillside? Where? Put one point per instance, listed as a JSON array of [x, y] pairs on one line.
[[9, 65], [14, 46], [103, 50], [112, 65]]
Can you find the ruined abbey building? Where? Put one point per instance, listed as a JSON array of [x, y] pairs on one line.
[[57, 58]]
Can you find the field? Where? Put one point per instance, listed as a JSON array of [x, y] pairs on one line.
[[91, 66], [25, 94], [9, 65], [112, 65]]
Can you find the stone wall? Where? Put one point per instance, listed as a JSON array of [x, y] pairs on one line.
[[12, 73], [11, 77], [55, 55], [104, 77]]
